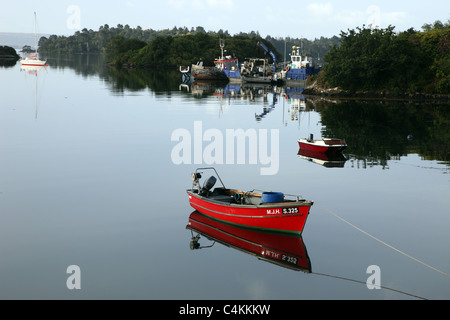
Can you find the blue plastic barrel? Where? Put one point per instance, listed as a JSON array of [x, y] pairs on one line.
[[271, 197]]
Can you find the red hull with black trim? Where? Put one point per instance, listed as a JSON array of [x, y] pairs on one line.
[[281, 218], [268, 212]]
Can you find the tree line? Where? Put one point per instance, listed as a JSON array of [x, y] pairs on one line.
[[103, 40], [359, 59], [382, 59], [170, 51]]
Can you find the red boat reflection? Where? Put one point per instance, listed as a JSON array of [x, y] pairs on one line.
[[284, 251], [328, 160]]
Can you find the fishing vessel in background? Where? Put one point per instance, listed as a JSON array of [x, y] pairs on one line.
[[200, 72], [228, 65], [295, 72]]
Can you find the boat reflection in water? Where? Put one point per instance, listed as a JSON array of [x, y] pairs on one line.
[[33, 70], [328, 160], [284, 251]]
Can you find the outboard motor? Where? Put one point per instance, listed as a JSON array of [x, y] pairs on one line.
[[209, 183], [196, 176]]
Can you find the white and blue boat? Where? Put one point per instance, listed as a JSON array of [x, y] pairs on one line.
[[228, 65], [296, 70]]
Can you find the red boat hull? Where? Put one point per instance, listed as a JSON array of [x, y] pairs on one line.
[[285, 251], [287, 218], [322, 147]]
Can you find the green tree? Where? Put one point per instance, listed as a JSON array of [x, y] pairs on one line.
[[120, 50], [381, 59], [436, 44]]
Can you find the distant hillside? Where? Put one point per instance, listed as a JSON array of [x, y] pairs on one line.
[[90, 41], [18, 40]]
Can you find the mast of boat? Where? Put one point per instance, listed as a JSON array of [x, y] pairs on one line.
[[35, 97], [35, 35]]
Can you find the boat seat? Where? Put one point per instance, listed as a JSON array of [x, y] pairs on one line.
[[222, 198]]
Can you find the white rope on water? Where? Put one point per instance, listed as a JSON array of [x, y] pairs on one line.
[[382, 242], [362, 282]]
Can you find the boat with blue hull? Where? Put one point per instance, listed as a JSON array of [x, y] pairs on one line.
[[296, 70], [230, 66]]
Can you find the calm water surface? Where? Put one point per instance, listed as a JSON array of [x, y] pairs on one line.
[[87, 179]]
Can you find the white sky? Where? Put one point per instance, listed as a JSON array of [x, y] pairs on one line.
[[293, 18]]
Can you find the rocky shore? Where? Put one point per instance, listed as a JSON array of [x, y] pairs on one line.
[[8, 53], [316, 89]]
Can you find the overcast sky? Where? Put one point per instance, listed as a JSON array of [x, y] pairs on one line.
[[293, 18]]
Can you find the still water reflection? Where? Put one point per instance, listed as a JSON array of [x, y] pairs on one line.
[[287, 252], [86, 178]]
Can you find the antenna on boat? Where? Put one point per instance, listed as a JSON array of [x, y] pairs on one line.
[[222, 45]]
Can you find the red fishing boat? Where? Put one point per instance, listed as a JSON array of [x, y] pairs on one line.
[[325, 145], [288, 252], [269, 212]]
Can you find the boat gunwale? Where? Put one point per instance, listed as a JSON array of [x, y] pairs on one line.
[[327, 142], [284, 204]]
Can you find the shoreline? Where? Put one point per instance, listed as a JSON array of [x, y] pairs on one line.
[[315, 90]]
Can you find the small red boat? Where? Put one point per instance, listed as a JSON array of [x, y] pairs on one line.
[[269, 212], [287, 252], [325, 145]]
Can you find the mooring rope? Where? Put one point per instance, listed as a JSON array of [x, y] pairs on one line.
[[362, 282], [382, 242]]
